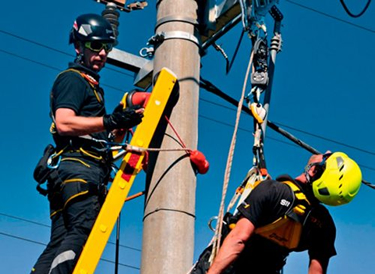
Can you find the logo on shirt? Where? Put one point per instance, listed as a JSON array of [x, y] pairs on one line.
[[316, 221], [245, 205], [278, 238], [284, 202]]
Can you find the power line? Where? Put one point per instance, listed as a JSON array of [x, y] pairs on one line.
[[292, 2], [327, 139], [21, 238], [245, 130], [50, 67], [34, 42], [355, 15], [305, 132], [28, 59], [52, 49], [211, 88], [44, 225], [302, 131], [43, 244], [268, 137], [24, 220], [331, 16]]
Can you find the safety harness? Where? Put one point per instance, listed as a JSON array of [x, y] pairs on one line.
[[82, 144], [46, 169], [286, 231]]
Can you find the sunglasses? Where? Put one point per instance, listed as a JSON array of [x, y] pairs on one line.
[[97, 46], [320, 166]]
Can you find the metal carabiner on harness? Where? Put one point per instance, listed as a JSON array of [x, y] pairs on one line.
[[210, 222], [52, 159]]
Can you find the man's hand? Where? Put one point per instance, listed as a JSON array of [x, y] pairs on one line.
[[318, 267], [123, 118]]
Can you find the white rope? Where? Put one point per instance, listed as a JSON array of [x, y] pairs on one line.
[[216, 243]]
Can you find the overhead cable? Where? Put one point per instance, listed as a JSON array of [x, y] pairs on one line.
[[355, 15], [48, 66], [331, 16], [296, 129], [34, 42], [21, 238], [50, 48], [211, 88], [41, 224], [43, 244], [330, 140], [246, 130]]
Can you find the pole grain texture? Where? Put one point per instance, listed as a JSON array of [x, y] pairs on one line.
[[168, 231]]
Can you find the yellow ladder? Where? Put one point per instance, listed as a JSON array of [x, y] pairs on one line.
[[130, 167]]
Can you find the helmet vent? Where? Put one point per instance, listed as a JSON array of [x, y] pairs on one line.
[[340, 162], [340, 185], [324, 191], [341, 177]]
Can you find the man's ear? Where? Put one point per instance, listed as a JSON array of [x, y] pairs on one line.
[[78, 47]]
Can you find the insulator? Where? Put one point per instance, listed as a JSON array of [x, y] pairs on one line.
[[276, 43], [112, 15]]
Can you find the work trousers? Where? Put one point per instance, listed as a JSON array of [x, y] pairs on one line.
[[72, 224]]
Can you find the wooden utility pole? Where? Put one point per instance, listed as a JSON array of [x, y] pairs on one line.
[[168, 232]]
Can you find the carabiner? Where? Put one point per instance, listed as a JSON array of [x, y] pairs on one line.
[[51, 159]]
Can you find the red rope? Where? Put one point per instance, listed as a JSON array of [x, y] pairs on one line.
[[176, 133]]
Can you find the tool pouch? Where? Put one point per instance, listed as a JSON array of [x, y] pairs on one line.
[[42, 171]]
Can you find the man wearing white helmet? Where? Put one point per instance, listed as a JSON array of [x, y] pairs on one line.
[[284, 215]]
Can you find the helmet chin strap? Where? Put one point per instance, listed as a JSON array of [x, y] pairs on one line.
[[311, 178], [79, 59], [79, 49], [307, 174]]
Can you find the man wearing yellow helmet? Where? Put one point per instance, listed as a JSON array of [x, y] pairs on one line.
[[284, 215]]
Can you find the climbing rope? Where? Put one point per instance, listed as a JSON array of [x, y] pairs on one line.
[[216, 243], [253, 23]]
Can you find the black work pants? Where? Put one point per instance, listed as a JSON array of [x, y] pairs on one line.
[[66, 243], [71, 226]]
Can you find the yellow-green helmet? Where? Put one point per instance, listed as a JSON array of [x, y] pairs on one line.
[[339, 182]]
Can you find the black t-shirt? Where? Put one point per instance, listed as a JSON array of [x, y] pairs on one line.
[[269, 201], [71, 90]]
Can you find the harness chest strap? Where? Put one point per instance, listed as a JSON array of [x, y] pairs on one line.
[[93, 84], [89, 80], [286, 231]]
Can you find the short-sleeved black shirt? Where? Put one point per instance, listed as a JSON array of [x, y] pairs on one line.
[[265, 204], [71, 90]]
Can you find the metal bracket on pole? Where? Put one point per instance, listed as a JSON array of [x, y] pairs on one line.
[[168, 19], [140, 66], [160, 37], [218, 20]]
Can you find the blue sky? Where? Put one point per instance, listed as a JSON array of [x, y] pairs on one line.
[[323, 93]]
